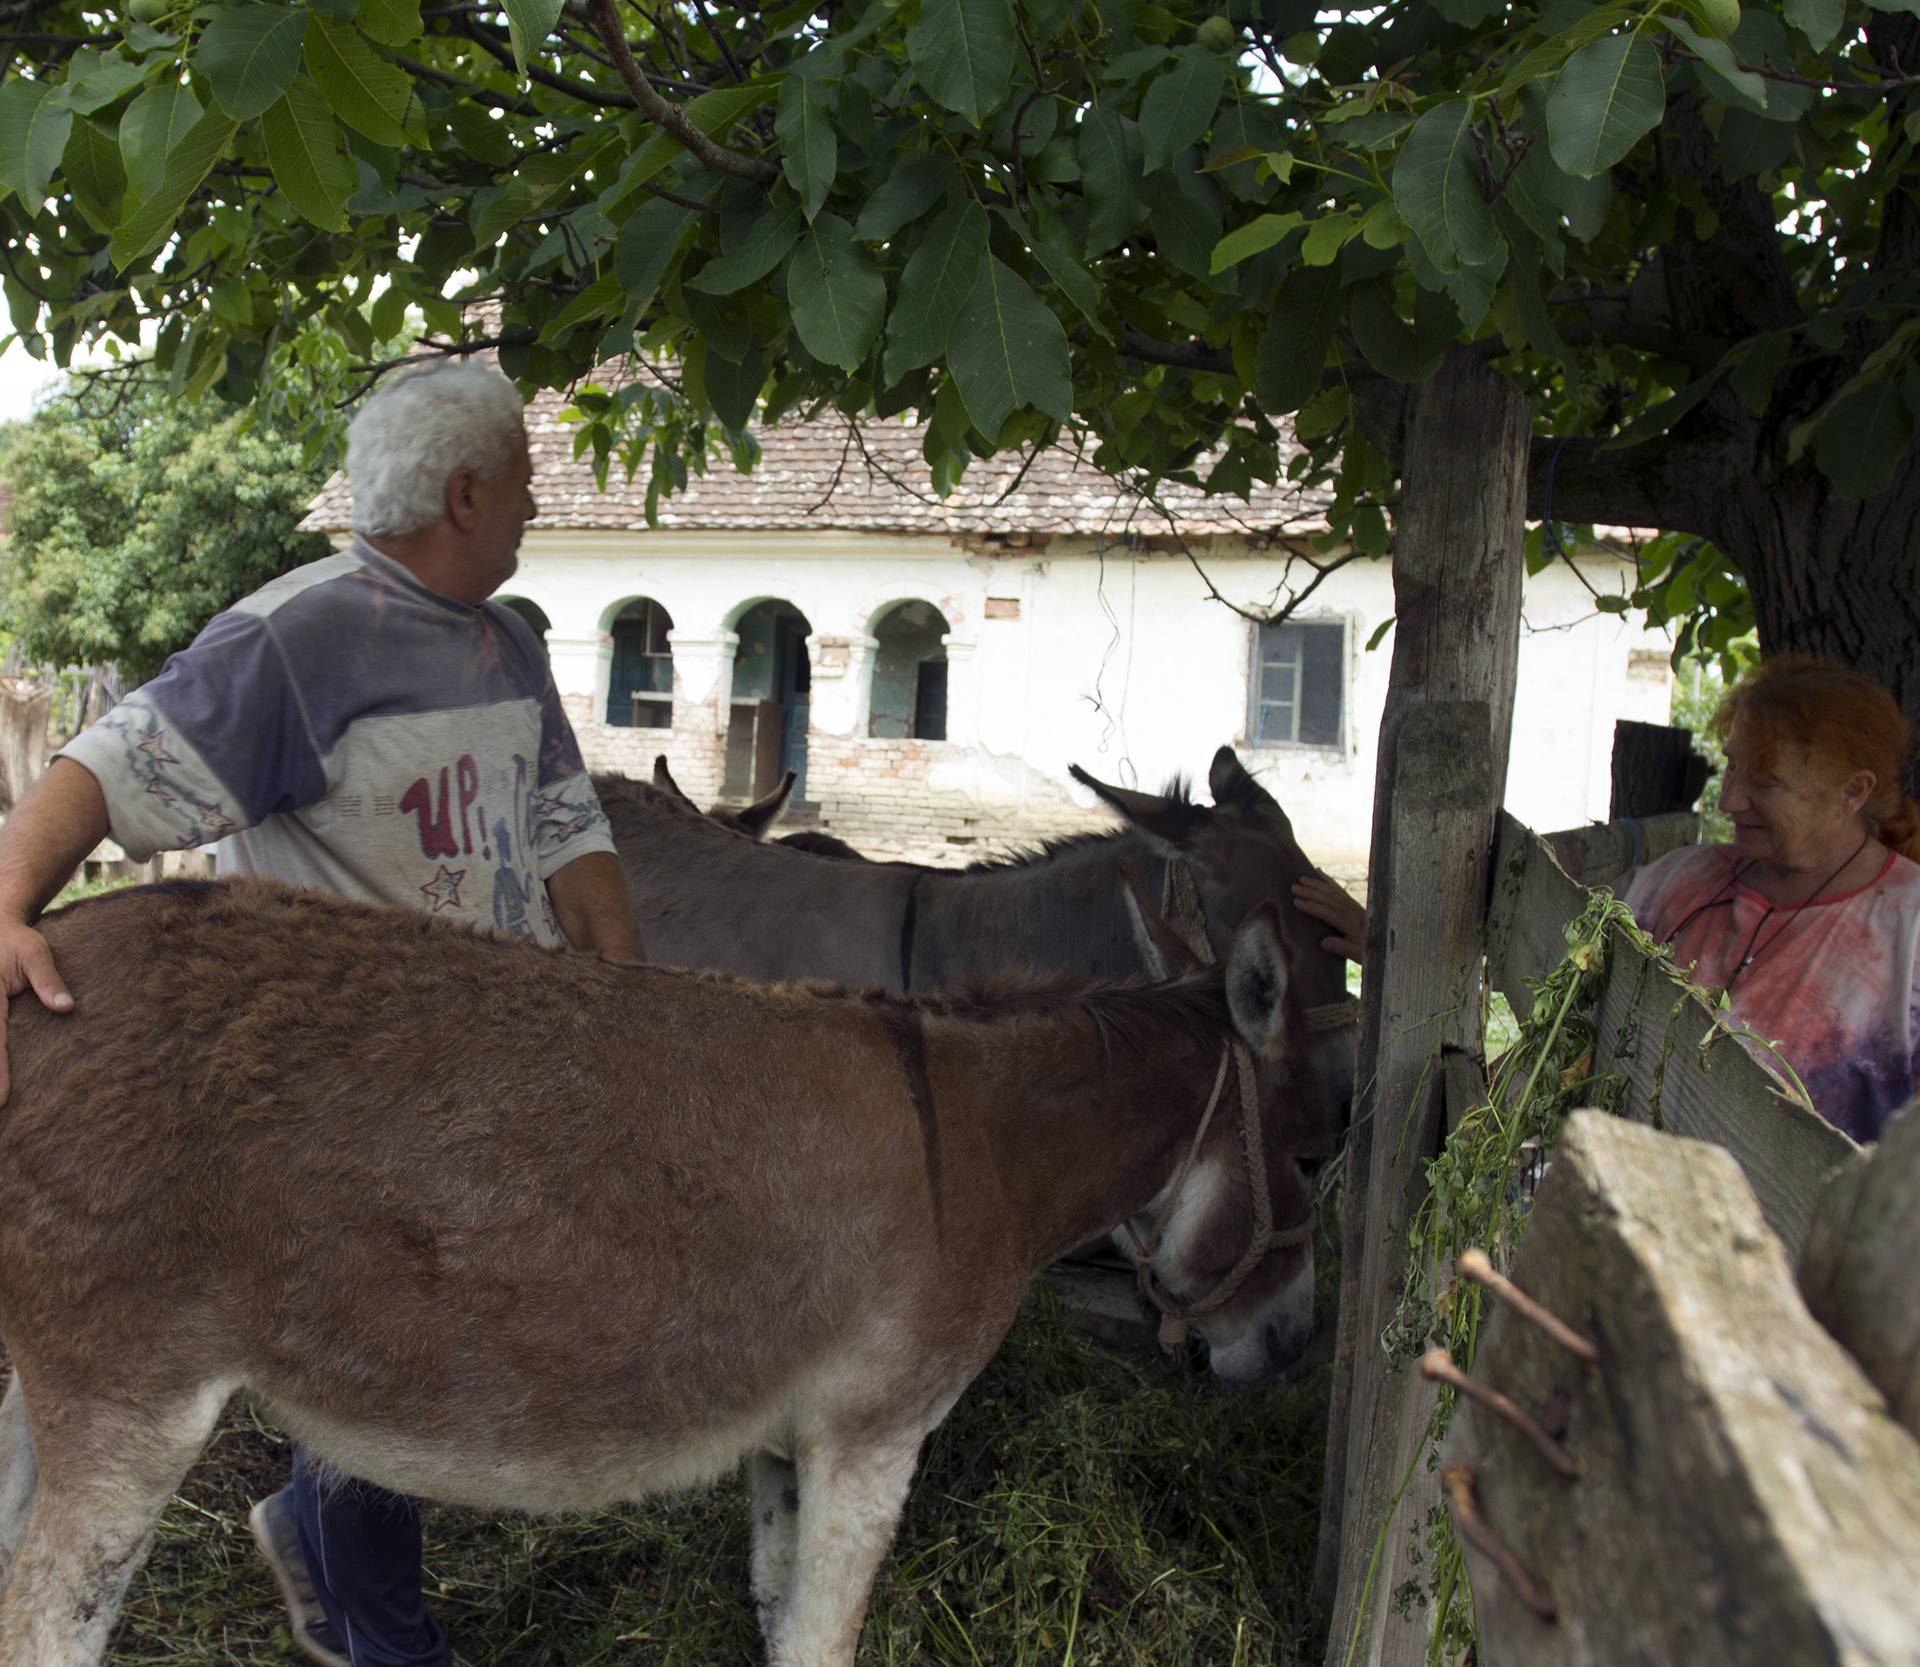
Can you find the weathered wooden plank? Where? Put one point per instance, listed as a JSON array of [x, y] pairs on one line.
[[1745, 1498], [1860, 1267], [1688, 1075], [1683, 1073], [1655, 769], [1442, 766], [1600, 854]]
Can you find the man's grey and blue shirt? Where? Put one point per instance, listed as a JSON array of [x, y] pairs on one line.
[[349, 729]]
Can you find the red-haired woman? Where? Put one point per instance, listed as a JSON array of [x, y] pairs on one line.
[[1810, 920]]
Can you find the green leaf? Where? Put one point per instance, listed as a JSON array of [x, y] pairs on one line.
[[1186, 216], [34, 124], [810, 149], [1047, 235], [1762, 39], [479, 135], [1255, 237], [1437, 189], [646, 247], [1753, 377], [1863, 439], [734, 389], [1607, 98], [1818, 20], [963, 53], [249, 55], [713, 113], [914, 186], [938, 280], [303, 149], [1379, 633], [838, 300], [92, 169], [391, 22], [749, 253], [1293, 351], [1109, 146], [600, 299], [1552, 53], [529, 23], [1326, 237], [94, 83], [155, 122], [1396, 349], [1720, 67], [1007, 350], [366, 91], [1179, 105], [493, 211], [190, 161]]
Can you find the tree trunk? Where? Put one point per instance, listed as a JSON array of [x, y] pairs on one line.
[[1442, 769]]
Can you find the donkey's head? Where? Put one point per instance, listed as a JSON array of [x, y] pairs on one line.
[[1208, 1216], [1243, 853]]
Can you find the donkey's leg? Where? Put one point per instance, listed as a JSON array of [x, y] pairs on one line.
[[850, 1501], [104, 1480], [18, 1473], [776, 1518]]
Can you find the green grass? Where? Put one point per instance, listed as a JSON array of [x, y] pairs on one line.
[[1079, 1508]]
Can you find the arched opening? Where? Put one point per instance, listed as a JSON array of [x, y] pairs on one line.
[[640, 685], [910, 673], [531, 612], [772, 695]]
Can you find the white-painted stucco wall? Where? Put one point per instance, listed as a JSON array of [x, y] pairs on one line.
[[1119, 662]]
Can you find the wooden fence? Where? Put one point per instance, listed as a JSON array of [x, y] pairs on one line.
[[1684, 1074], [1726, 1479]]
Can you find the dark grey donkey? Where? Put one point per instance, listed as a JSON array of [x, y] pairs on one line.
[[706, 895]]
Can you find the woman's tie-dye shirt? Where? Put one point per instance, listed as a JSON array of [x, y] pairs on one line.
[[1836, 984]]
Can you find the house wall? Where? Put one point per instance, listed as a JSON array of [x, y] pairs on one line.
[[1116, 661]]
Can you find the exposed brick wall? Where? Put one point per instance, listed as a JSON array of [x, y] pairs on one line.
[[877, 795]]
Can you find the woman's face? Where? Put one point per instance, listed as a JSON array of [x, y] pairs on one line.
[[1787, 811]]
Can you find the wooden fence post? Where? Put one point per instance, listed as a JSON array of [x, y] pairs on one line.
[[1442, 773], [1857, 1266], [1743, 1496]]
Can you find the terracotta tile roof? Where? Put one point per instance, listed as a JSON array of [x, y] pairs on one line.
[[826, 476]]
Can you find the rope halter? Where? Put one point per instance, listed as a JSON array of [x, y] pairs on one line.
[[1180, 903]]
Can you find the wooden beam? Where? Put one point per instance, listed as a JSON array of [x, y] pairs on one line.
[[1441, 773], [1744, 1497]]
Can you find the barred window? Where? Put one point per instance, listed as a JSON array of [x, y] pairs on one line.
[[1299, 684]]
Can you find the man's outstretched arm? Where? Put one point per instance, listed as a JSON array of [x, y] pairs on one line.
[[45, 836]]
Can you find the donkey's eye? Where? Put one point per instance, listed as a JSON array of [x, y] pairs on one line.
[[1311, 1167]]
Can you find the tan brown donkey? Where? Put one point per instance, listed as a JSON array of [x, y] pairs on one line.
[[523, 1231]]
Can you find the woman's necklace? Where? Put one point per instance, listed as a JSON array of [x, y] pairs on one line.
[[1755, 949]]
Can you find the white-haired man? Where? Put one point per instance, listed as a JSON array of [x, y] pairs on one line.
[[372, 726]]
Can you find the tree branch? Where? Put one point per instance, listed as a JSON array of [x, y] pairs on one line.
[[665, 114], [1180, 355]]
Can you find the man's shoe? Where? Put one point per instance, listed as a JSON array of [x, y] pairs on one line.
[[279, 1542]]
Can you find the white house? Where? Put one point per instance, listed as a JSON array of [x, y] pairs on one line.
[[932, 666]]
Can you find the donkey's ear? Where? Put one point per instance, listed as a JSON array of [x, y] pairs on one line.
[[1161, 950], [1172, 822], [663, 779], [1234, 788], [1258, 980], [760, 816]]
